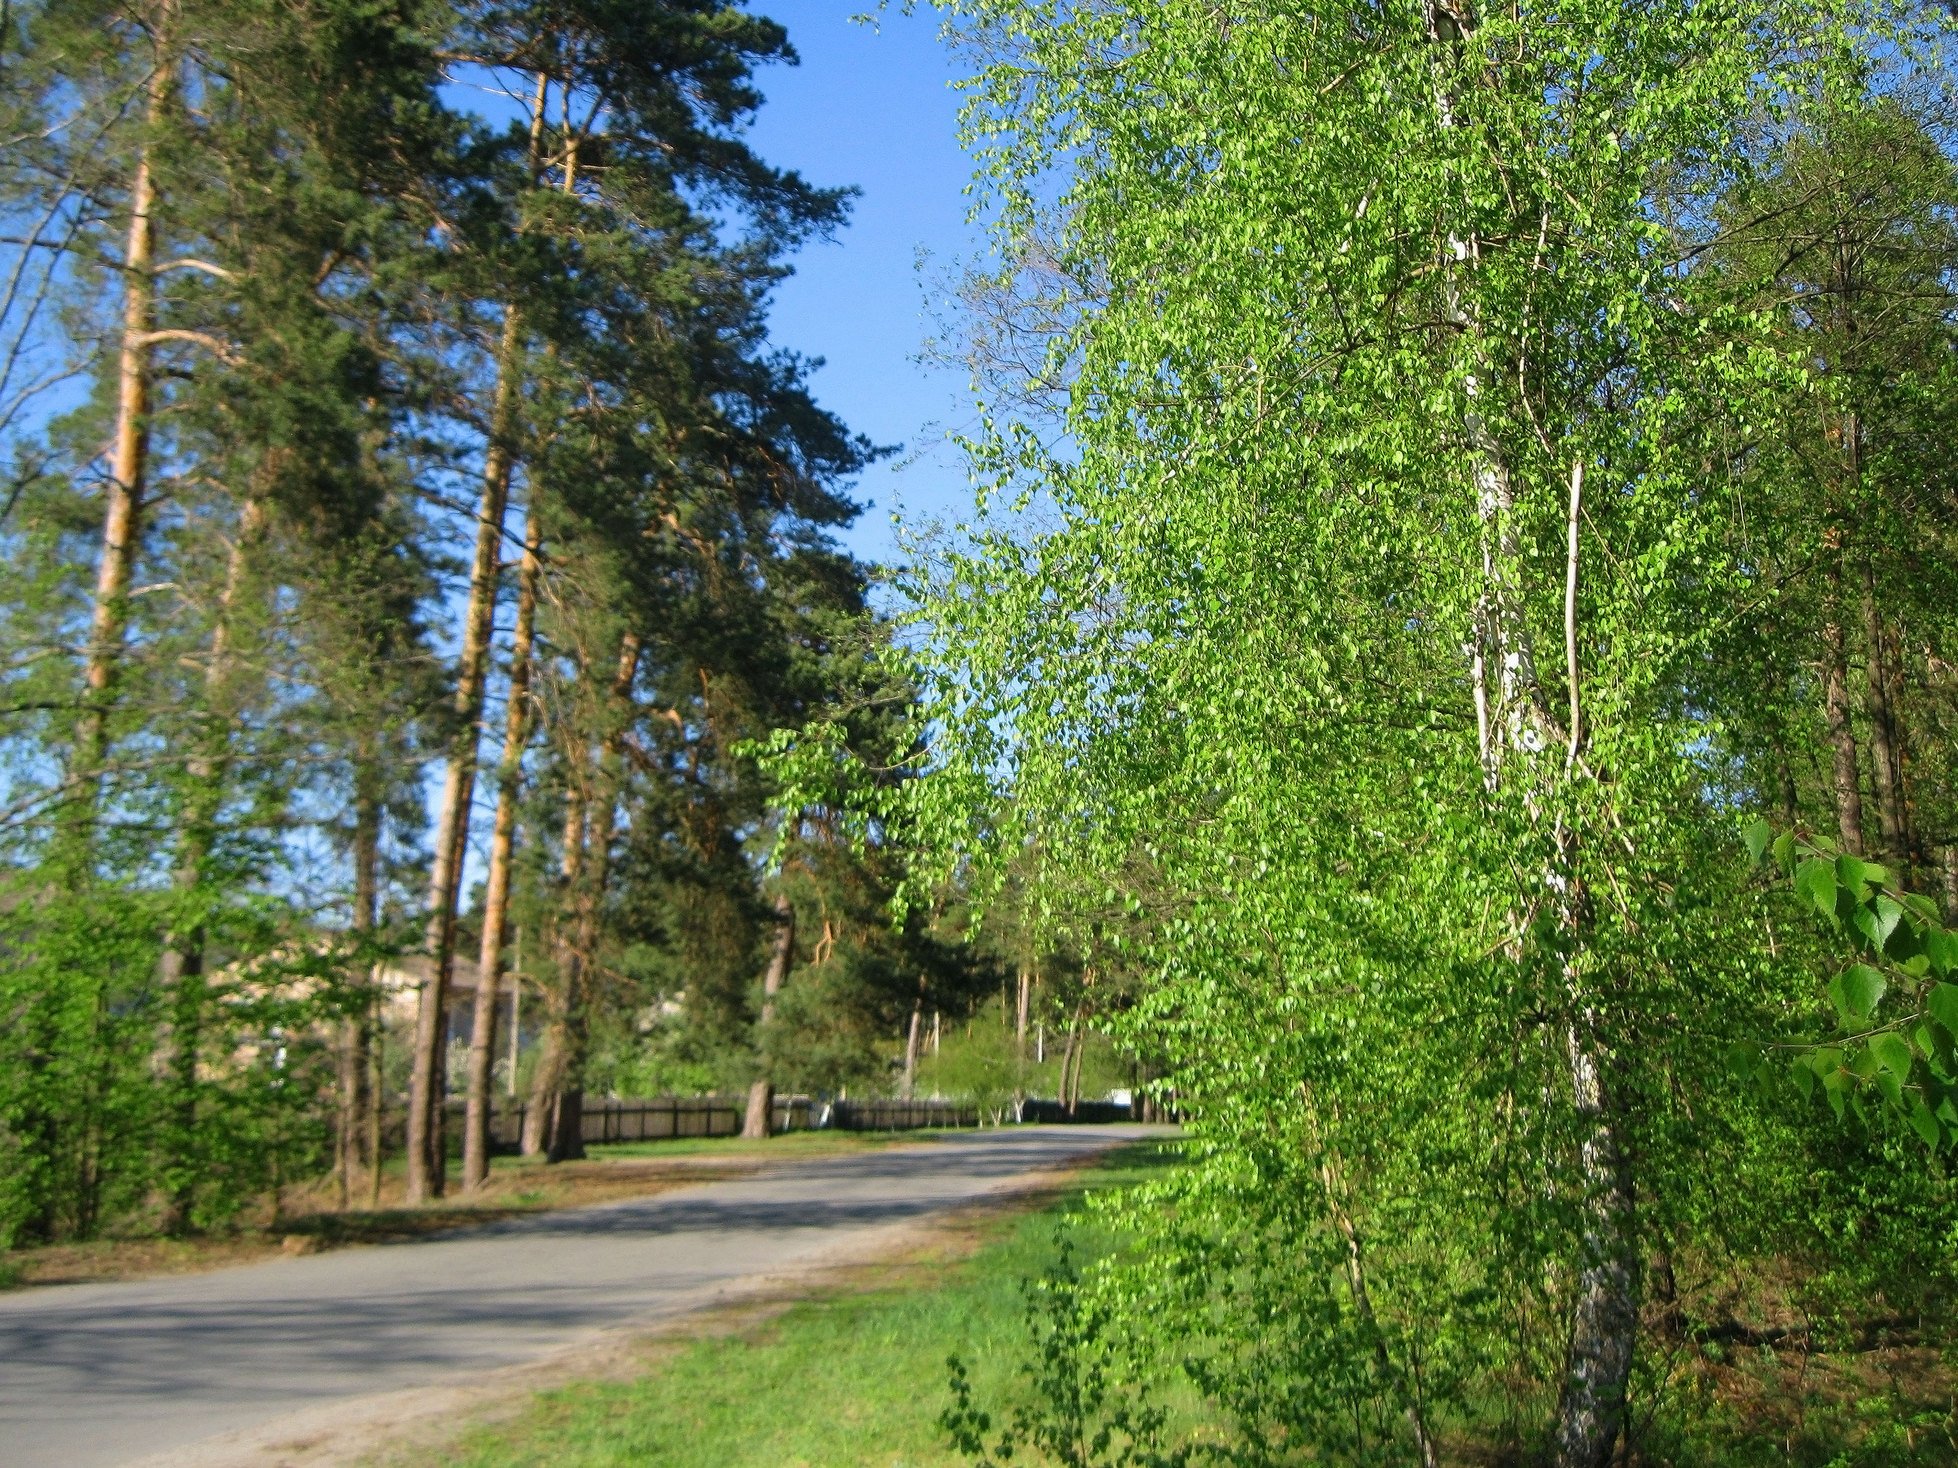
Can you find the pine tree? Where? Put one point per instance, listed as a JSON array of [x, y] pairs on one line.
[[646, 104]]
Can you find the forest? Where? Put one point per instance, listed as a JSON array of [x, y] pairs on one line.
[[1448, 678], [409, 524]]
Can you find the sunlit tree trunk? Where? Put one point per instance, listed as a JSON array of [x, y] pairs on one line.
[[1525, 756], [1020, 1039], [557, 1099], [909, 1083], [547, 1077], [496, 894], [567, 1136], [1069, 1057], [376, 1089], [516, 734], [427, 1166], [760, 1120], [1518, 733], [128, 462], [1080, 1059]]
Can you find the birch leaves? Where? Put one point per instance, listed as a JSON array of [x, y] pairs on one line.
[[1896, 1001], [1383, 577]]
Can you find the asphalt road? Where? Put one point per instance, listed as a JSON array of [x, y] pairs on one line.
[[100, 1374]]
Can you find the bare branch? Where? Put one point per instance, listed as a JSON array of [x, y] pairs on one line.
[[223, 351], [189, 262]]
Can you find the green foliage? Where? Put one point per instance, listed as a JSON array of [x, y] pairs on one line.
[[1076, 1421], [1896, 1003], [1361, 644], [90, 1133], [978, 1063]]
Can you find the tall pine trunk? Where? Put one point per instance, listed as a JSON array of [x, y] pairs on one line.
[[351, 1153], [40, 1127], [568, 1140], [426, 1164], [128, 465], [496, 895], [516, 733], [760, 1120], [557, 1100], [546, 1079]]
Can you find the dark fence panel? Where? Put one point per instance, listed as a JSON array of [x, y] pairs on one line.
[[661, 1118], [899, 1116], [653, 1119], [1086, 1113]]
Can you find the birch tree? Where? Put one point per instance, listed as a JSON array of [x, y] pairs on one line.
[[1345, 637]]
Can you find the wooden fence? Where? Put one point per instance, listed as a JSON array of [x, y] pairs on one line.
[[1086, 1113], [899, 1116], [660, 1118], [652, 1119]]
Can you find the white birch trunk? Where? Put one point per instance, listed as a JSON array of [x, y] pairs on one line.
[[1519, 734]]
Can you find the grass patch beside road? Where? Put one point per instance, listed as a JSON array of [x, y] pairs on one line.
[[854, 1378]]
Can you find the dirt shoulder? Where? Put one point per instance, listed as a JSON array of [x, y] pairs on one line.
[[308, 1220]]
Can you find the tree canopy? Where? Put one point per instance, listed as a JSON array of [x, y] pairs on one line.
[[1452, 470]]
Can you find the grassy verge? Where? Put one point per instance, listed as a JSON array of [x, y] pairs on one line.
[[853, 1377], [308, 1219]]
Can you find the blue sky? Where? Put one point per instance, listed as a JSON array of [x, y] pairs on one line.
[[873, 107]]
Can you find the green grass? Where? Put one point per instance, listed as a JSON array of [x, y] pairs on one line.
[[851, 1378]]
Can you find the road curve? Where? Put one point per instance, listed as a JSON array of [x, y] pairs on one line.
[[100, 1374]]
